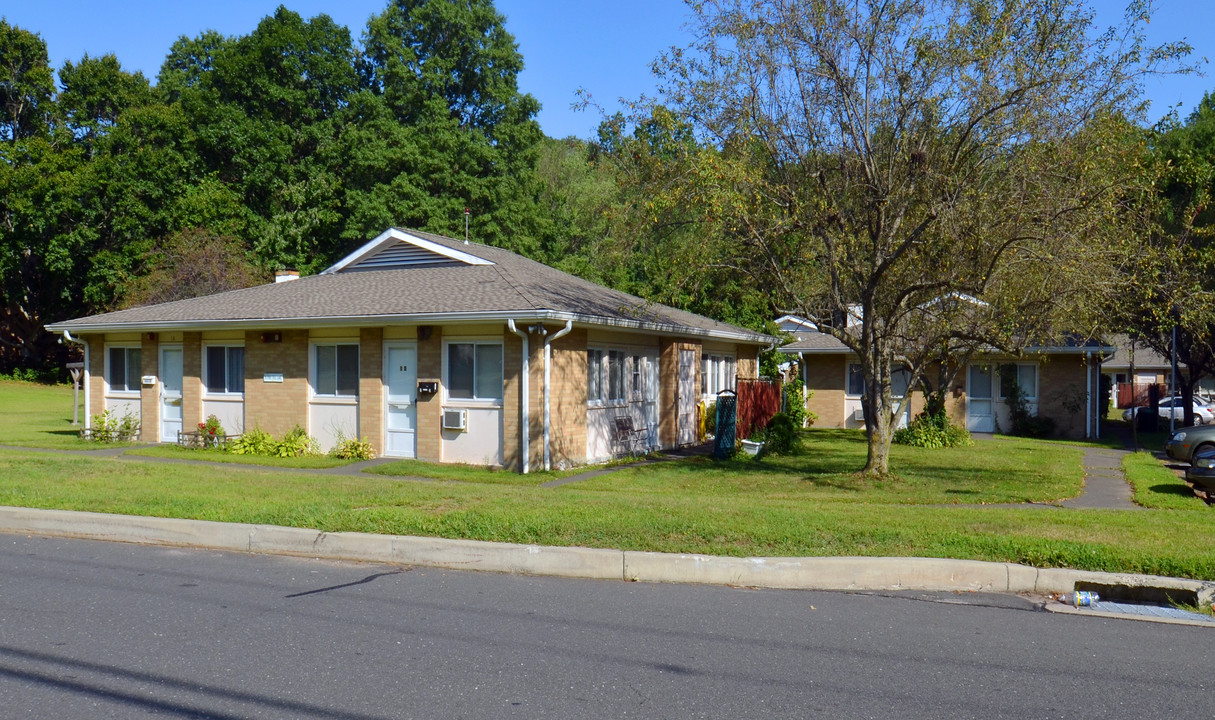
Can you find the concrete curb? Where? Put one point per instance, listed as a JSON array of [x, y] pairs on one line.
[[806, 573]]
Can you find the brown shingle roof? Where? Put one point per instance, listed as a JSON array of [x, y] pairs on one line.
[[511, 286]]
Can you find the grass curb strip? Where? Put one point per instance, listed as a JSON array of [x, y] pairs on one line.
[[806, 573]]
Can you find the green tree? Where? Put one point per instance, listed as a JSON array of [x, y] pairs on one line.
[[953, 173], [26, 84], [95, 92], [1171, 280], [446, 74]]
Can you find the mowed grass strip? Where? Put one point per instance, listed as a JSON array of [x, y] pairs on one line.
[[687, 522], [941, 503]]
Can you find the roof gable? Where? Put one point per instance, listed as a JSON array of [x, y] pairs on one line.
[[395, 249]]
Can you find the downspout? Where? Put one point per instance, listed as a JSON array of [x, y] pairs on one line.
[[1088, 394], [548, 357], [526, 391], [84, 381], [805, 383]]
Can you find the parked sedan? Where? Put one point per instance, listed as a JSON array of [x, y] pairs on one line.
[[1203, 413], [1184, 444], [1201, 471]]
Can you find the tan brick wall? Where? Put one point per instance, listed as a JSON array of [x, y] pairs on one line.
[[567, 431], [430, 407], [512, 364], [149, 395], [371, 387], [191, 381], [1061, 390], [668, 379], [96, 388], [748, 361], [825, 377], [668, 388], [276, 407]]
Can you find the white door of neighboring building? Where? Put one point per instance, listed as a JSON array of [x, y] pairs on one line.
[[170, 392], [651, 398], [687, 397], [980, 405], [400, 406]]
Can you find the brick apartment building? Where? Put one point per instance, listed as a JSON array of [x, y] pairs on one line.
[[426, 346]]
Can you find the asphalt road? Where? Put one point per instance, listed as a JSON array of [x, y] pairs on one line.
[[107, 630]]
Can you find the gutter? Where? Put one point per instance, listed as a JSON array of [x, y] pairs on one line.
[[548, 363], [524, 422], [266, 323]]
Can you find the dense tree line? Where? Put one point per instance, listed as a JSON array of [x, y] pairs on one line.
[[288, 147]]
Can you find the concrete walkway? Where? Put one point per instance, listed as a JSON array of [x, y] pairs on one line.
[[1105, 485]]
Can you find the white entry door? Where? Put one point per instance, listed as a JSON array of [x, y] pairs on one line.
[[170, 393], [980, 407], [651, 398], [687, 397], [400, 407]]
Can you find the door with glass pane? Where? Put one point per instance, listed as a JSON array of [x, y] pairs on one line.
[[400, 406], [980, 408], [170, 393], [651, 398]]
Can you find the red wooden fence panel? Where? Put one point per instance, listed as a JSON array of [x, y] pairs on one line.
[[758, 401], [1139, 394]]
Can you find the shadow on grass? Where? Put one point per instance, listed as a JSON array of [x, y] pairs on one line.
[[1170, 489]]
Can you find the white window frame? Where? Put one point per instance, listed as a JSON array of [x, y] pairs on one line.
[[606, 355], [1032, 398], [475, 401], [208, 391], [312, 369], [718, 372], [109, 388]]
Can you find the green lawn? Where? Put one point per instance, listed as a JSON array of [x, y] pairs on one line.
[[940, 504], [214, 455], [37, 415]]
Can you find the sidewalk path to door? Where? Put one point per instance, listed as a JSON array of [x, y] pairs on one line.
[[1105, 485]]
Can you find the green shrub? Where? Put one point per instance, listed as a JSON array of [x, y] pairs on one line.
[[352, 449], [254, 442], [109, 428], [297, 443], [795, 403], [933, 431], [781, 435], [43, 376]]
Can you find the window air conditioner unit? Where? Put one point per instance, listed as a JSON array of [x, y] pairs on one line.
[[455, 420], [859, 415]]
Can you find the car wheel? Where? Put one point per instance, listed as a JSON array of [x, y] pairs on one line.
[[1195, 451], [1197, 420]]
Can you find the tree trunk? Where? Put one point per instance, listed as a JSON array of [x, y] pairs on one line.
[[879, 418]]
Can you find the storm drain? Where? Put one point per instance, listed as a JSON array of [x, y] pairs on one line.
[[1150, 611], [1142, 602]]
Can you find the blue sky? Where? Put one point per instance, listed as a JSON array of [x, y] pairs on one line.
[[603, 47]]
